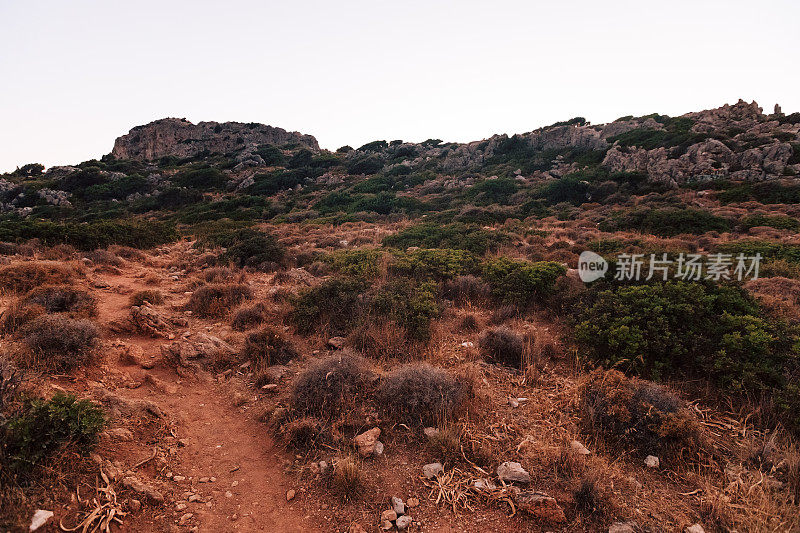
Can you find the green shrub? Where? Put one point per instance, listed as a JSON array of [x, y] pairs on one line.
[[689, 329], [666, 222], [774, 221], [440, 264], [202, 179], [359, 263], [677, 134], [254, 249], [332, 306], [496, 191], [455, 236], [768, 192], [370, 164], [521, 283], [411, 306], [45, 427], [769, 250], [90, 235]]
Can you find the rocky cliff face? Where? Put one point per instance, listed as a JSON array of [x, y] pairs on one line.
[[180, 138]]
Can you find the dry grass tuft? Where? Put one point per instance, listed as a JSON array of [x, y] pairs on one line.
[[151, 296], [332, 385], [422, 394], [59, 342], [503, 346], [268, 346], [347, 479], [62, 299], [22, 277]]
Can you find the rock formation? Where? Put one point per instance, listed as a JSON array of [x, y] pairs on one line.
[[180, 138]]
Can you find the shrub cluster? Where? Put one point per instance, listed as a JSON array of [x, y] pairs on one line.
[[456, 235], [639, 415], [23, 277], [421, 394], [60, 342], [254, 249], [44, 427], [151, 296], [440, 264], [62, 299], [521, 283], [502, 345], [217, 300], [331, 306], [682, 328], [666, 222], [268, 347], [331, 385]]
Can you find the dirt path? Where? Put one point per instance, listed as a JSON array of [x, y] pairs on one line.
[[218, 441]]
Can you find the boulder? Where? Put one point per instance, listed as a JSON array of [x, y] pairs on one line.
[[513, 472], [540, 506], [432, 470], [366, 442]]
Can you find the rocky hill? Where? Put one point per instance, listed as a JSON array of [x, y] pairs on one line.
[[175, 137]]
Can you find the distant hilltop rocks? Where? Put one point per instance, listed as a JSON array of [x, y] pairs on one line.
[[180, 138]]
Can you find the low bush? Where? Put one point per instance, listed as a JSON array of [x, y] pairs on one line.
[[458, 236], [439, 264], [639, 415], [46, 427], [18, 315], [359, 263], [330, 307], [22, 277], [467, 289], [254, 249], [503, 346], [521, 283], [268, 347], [10, 379], [411, 306], [248, 317], [666, 222], [421, 394], [217, 300], [302, 433], [62, 299], [772, 221], [151, 296], [219, 275], [332, 385], [60, 342], [90, 235]]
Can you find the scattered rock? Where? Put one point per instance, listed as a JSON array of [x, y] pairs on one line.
[[357, 528], [122, 434], [366, 442], [191, 351], [398, 505], [40, 518], [388, 515], [378, 449], [145, 319], [403, 522], [540, 505], [696, 528], [622, 527], [185, 519], [579, 448], [412, 502], [511, 471], [178, 479], [290, 495], [124, 408], [134, 505], [484, 484], [432, 470], [431, 433], [137, 486], [651, 461], [386, 525], [336, 343]]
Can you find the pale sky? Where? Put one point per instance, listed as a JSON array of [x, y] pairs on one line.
[[76, 74]]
